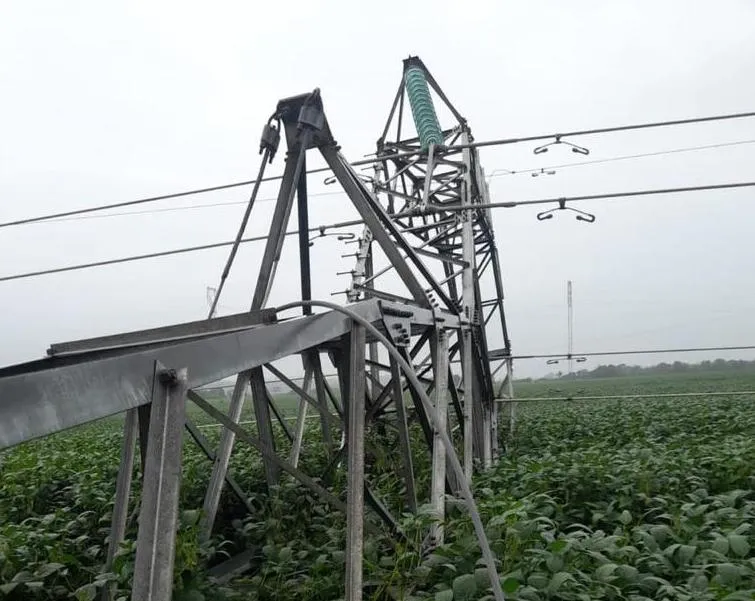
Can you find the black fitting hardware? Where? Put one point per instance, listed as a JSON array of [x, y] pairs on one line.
[[269, 140], [581, 215], [558, 140], [340, 236]]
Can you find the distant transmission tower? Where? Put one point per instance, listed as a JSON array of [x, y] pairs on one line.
[[570, 326]]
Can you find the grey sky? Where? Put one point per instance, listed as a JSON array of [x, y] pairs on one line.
[[103, 102]]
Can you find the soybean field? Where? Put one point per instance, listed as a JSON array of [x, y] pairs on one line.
[[625, 499]]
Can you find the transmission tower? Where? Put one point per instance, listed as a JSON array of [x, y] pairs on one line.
[[445, 300]]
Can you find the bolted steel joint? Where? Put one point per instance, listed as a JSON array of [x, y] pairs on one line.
[[311, 114], [398, 328], [168, 377]]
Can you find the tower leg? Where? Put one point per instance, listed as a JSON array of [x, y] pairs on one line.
[[122, 492], [438, 478], [355, 475], [155, 545]]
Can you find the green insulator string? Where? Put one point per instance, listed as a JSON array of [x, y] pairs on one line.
[[423, 111]]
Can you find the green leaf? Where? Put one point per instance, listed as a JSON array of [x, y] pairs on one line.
[[555, 563], [446, 595], [628, 573], [86, 593], [699, 582], [748, 595], [625, 517], [558, 581], [728, 573], [538, 580], [605, 572], [686, 552], [510, 585], [739, 544], [47, 569], [557, 546], [720, 545], [482, 578], [7, 589], [464, 588]]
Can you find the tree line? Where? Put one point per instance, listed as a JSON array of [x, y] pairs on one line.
[[677, 367]]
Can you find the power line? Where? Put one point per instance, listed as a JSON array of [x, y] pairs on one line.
[[182, 208], [370, 161], [165, 253], [638, 352], [521, 203], [129, 203], [539, 399], [358, 221], [666, 395], [605, 130], [623, 158], [341, 192]]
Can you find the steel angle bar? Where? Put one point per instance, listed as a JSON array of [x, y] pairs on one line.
[[122, 495], [407, 465], [272, 253], [50, 395], [267, 157], [206, 448], [418, 250], [355, 480], [382, 511], [425, 402], [165, 334], [301, 417], [438, 478], [381, 401], [279, 417], [143, 417], [441, 256], [264, 424], [158, 517], [397, 99], [384, 367], [244, 436], [384, 230], [301, 391], [222, 458], [376, 220], [370, 292]]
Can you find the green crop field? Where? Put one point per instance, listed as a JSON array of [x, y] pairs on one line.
[[622, 499]]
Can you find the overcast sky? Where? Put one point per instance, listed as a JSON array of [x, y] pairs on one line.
[[104, 102]]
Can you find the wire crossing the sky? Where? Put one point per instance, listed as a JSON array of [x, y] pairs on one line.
[[370, 161], [499, 205]]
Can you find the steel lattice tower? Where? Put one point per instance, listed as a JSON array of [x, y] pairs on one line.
[[419, 207]]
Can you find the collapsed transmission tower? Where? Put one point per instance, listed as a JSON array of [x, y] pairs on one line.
[[391, 339]]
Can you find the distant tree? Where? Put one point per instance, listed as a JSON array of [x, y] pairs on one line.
[[677, 367]]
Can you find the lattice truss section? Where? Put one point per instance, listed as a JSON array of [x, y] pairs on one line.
[[394, 349]]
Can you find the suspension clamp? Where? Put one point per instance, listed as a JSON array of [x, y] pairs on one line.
[[270, 137]]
